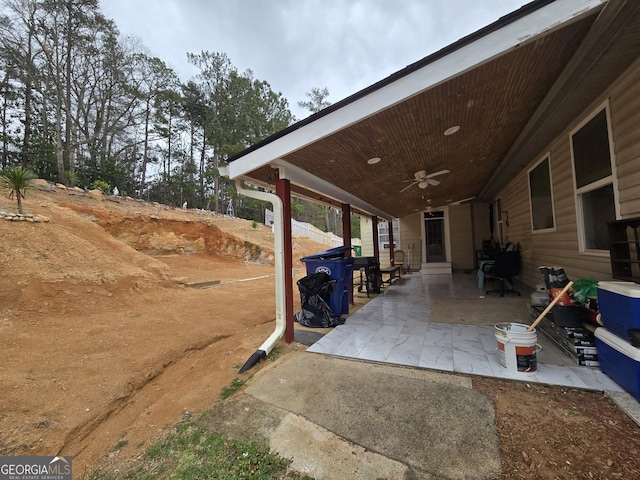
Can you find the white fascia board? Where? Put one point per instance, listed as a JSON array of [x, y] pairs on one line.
[[523, 30], [299, 176]]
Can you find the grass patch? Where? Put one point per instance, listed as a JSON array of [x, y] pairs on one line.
[[275, 352], [191, 452], [121, 444], [236, 384]]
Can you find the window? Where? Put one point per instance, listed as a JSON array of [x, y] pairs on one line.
[[541, 197], [594, 180], [383, 234]]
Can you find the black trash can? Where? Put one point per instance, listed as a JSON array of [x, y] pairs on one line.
[[334, 263], [315, 291]]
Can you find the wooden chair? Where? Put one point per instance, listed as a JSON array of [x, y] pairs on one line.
[[398, 259]]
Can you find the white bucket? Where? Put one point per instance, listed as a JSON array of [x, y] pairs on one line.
[[516, 347]]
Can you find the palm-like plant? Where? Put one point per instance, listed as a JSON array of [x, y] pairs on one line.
[[17, 180]]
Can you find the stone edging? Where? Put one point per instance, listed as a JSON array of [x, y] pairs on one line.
[[17, 217]]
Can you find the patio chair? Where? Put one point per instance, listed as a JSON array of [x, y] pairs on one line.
[[503, 269], [398, 259]]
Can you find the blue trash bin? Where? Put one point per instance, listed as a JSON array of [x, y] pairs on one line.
[[337, 252], [340, 269]]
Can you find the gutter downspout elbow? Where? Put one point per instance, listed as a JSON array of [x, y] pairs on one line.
[[278, 333]]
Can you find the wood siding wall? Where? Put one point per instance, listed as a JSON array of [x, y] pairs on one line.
[[366, 235], [560, 247], [480, 220], [462, 241], [411, 240]]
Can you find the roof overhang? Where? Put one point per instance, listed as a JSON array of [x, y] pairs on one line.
[[492, 83]]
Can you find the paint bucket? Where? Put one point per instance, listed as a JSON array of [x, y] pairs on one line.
[[516, 347]]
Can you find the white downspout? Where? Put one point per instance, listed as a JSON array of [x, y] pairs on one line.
[[278, 232]]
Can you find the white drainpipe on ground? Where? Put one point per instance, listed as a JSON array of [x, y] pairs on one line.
[[278, 231]]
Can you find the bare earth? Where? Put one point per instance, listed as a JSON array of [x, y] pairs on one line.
[[103, 343]]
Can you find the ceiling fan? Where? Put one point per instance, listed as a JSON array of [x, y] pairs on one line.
[[423, 180]]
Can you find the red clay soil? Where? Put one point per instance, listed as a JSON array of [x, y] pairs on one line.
[[104, 345]]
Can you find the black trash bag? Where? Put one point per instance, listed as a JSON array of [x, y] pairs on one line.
[[556, 279], [315, 290]]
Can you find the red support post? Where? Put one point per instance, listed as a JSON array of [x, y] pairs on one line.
[[283, 190]]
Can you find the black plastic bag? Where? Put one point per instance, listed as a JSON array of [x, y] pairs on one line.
[[315, 290], [556, 279]]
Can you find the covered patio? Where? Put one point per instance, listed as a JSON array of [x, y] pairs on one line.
[[448, 135], [441, 322]]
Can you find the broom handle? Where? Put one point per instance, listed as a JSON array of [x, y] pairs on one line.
[[546, 310]]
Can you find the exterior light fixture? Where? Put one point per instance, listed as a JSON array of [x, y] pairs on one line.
[[451, 130], [374, 160]]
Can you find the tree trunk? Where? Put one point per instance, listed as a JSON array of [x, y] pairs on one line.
[[145, 152], [28, 94], [216, 184], [5, 135], [67, 94], [59, 146]]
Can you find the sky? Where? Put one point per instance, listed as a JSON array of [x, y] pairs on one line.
[[297, 45]]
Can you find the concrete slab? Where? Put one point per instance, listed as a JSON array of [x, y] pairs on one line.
[[338, 418]]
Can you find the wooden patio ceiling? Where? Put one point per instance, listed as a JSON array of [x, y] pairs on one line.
[[492, 103]]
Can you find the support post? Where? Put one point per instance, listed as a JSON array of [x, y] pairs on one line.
[[283, 190], [376, 245], [392, 260], [346, 240]]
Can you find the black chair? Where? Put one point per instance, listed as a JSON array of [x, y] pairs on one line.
[[370, 276], [503, 269]]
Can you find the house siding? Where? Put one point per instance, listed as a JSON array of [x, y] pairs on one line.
[[625, 113], [462, 244], [480, 221], [560, 247], [411, 240], [366, 236]]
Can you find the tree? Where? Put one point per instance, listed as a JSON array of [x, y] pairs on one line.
[[17, 180], [317, 100], [155, 79], [239, 111]]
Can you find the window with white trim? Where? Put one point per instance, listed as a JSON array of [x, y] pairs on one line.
[[383, 234], [541, 197], [594, 181]]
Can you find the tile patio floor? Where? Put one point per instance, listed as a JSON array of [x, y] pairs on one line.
[[395, 327]]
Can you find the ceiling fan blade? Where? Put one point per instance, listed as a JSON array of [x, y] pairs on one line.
[[435, 174], [408, 186], [433, 182]]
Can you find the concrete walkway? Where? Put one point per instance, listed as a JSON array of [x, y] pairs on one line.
[[341, 419]]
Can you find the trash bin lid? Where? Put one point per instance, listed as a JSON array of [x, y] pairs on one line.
[[337, 252]]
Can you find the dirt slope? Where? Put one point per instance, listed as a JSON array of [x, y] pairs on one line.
[[102, 341], [103, 345]]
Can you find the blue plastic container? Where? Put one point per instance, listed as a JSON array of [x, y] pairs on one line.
[[340, 270], [619, 360], [619, 304]]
